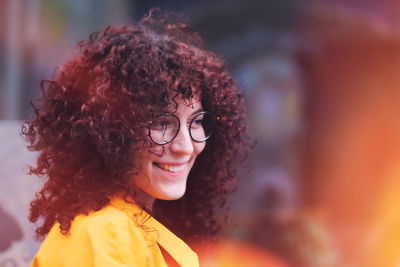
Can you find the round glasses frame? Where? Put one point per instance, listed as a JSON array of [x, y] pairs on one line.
[[190, 127]]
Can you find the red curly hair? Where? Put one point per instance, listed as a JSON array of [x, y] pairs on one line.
[[92, 116]]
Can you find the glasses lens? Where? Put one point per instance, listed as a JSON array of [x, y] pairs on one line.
[[202, 126], [164, 129]]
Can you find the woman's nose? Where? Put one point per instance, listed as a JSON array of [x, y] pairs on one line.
[[182, 143]]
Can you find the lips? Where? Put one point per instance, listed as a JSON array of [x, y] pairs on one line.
[[170, 168]]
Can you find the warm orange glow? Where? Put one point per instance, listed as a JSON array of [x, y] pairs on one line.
[[229, 253], [382, 244]]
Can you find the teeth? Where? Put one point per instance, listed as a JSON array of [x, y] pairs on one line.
[[171, 168]]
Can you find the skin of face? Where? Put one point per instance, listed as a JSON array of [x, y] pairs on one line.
[[165, 177]]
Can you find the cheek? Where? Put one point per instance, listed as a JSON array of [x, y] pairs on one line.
[[199, 147], [143, 157], [157, 151]]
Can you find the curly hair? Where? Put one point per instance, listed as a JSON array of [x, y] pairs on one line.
[[92, 114]]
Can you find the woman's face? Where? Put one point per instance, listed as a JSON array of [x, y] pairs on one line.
[[164, 177]]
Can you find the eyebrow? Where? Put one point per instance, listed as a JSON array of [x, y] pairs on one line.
[[197, 111], [193, 113]]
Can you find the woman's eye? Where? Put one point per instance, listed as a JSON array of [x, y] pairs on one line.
[[198, 122]]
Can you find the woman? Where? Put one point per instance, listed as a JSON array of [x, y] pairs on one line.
[[139, 136]]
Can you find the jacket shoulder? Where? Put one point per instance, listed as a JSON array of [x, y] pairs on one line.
[[108, 235]]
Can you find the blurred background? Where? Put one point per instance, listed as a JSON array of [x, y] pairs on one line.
[[321, 79]]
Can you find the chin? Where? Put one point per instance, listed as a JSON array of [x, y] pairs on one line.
[[172, 195]]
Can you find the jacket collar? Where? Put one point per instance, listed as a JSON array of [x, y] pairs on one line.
[[175, 247]]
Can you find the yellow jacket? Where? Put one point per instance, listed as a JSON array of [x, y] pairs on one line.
[[121, 234]]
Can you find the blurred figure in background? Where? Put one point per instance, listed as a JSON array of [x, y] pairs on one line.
[[10, 234], [16, 188]]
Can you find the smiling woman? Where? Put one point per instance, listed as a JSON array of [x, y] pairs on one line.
[[140, 135]]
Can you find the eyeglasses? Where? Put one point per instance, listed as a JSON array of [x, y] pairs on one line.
[[164, 128]]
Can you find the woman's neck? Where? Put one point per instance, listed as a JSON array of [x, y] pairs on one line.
[[144, 199]]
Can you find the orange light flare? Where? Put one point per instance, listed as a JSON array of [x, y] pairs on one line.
[[231, 253], [354, 144]]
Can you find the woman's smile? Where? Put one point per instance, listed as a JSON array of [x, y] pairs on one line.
[[176, 168]]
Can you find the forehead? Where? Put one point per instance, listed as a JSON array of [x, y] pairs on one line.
[[181, 106]]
